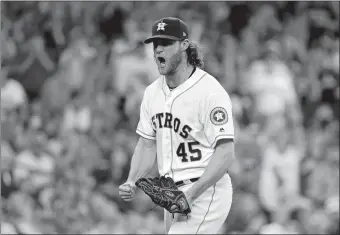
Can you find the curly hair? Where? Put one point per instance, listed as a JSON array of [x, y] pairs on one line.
[[195, 55]]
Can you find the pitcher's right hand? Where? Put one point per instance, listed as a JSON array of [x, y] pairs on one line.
[[127, 191]]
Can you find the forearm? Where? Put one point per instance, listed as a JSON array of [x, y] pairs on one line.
[[218, 166], [142, 161]]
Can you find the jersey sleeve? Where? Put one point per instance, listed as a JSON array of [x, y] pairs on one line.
[[217, 119], [144, 127]]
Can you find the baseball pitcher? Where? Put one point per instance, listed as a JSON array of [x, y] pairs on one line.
[[185, 125]]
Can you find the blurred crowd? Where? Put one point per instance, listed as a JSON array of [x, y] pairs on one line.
[[72, 79]]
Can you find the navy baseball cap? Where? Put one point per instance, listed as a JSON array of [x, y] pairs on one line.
[[168, 28]]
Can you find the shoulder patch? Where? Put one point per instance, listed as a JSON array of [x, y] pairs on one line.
[[219, 116]]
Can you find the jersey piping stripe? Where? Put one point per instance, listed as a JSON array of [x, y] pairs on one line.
[[146, 135], [212, 198], [229, 136], [172, 154], [163, 88]]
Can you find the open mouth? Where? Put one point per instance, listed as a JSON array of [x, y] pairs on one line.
[[161, 61]]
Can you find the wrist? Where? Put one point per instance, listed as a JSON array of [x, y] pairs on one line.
[[192, 192]]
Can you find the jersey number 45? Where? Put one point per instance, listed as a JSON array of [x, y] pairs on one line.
[[195, 153]]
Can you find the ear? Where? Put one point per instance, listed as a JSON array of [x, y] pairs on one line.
[[184, 44]]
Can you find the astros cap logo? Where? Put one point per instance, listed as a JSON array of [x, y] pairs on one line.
[[160, 26]]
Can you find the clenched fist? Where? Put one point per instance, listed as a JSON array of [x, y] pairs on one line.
[[127, 191]]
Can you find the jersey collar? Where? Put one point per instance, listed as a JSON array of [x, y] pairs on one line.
[[195, 77]]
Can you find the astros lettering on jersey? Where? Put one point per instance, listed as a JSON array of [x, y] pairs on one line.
[[186, 123]]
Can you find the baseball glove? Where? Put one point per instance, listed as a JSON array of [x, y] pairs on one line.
[[164, 193]]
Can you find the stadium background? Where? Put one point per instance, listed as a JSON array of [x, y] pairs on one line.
[[72, 78]]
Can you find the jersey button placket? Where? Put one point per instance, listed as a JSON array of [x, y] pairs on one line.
[[168, 136], [168, 103]]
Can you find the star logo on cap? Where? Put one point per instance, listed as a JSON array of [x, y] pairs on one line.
[[160, 26]]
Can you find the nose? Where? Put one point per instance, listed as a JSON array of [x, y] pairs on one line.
[[158, 48]]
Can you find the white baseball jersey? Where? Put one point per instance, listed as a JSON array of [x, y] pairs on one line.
[[186, 123]]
